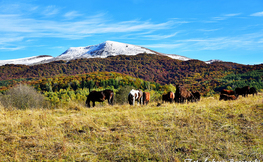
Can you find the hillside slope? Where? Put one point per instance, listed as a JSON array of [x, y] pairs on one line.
[[160, 69]]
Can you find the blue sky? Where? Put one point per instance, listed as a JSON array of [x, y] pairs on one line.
[[228, 30]]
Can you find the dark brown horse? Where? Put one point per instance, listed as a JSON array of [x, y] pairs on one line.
[[182, 94], [146, 97], [242, 91], [197, 96], [169, 97], [253, 91], [109, 95], [95, 96]]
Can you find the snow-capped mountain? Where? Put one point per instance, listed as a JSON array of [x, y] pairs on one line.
[[27, 60], [102, 50], [109, 48]]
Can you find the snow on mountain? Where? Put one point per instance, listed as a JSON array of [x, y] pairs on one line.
[[102, 50], [27, 60], [178, 57], [109, 48], [211, 61]]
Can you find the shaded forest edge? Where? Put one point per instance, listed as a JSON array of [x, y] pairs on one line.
[[158, 70]]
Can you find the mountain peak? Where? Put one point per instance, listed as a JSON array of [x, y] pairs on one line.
[[103, 50]]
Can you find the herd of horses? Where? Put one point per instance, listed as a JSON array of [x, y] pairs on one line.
[[233, 94], [181, 95]]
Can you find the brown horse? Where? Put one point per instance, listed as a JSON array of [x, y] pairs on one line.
[[197, 96], [242, 91], [226, 97], [169, 97], [228, 92], [146, 97], [253, 91], [95, 96], [182, 94]]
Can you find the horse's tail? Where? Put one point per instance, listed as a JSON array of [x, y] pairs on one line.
[[111, 98]]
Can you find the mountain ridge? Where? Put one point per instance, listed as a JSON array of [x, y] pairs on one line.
[[102, 50]]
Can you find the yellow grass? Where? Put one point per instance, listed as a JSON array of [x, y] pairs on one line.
[[210, 129]]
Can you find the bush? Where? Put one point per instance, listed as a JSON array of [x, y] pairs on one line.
[[122, 94], [22, 97]]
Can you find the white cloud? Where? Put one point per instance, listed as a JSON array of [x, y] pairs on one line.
[[232, 15], [16, 28], [11, 48], [72, 15], [50, 11], [163, 45], [209, 30], [225, 16], [247, 41], [158, 37], [257, 14]]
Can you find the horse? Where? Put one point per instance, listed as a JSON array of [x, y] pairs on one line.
[[197, 96], [242, 91], [95, 96], [146, 97], [228, 92], [177, 94], [253, 91], [169, 97], [182, 94], [109, 95], [226, 97], [135, 95]]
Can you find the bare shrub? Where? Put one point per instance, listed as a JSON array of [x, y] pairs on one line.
[[22, 97]]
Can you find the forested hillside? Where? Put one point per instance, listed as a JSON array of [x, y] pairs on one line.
[[196, 74]]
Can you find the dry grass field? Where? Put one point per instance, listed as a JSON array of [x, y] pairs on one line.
[[208, 130]]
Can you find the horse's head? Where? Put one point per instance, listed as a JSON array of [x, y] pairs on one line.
[[130, 99], [102, 96]]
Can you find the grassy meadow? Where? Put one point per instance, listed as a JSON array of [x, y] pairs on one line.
[[210, 129]]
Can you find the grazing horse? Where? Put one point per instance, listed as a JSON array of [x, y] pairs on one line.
[[226, 97], [177, 98], [253, 91], [109, 95], [182, 94], [228, 92], [197, 96], [135, 95], [95, 96], [242, 91], [169, 97], [146, 97]]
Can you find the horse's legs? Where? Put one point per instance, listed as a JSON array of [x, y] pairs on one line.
[[93, 103], [88, 103]]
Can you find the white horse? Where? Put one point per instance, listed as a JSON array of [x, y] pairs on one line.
[[135, 95]]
